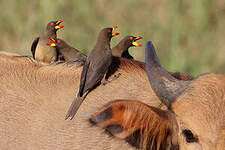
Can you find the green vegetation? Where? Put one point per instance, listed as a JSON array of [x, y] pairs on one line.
[[189, 35]]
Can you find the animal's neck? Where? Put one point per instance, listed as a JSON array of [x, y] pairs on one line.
[[126, 55], [116, 51], [122, 47], [103, 44]]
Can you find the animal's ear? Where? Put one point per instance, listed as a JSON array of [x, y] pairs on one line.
[[139, 124]]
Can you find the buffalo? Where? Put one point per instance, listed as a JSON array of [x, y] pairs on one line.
[[34, 98], [194, 120]]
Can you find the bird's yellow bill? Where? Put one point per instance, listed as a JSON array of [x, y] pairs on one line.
[[138, 38], [59, 21], [51, 44], [136, 44], [58, 27], [114, 34], [114, 28], [52, 39]]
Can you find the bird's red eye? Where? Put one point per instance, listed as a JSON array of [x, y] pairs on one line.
[[131, 38], [109, 31], [52, 24], [58, 41]]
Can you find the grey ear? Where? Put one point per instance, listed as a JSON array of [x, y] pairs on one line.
[[166, 87]]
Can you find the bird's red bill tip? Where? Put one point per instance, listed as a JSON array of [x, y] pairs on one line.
[[52, 39], [115, 27], [136, 44], [114, 34], [59, 21]]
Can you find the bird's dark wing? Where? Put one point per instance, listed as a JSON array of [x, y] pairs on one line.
[[127, 55], [83, 78], [34, 45], [79, 98], [96, 71], [74, 107], [91, 74]]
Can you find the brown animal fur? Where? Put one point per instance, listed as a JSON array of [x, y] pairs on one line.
[[34, 98], [197, 112], [201, 109], [197, 105], [152, 123]]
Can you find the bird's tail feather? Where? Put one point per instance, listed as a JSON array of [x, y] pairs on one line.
[[74, 107]]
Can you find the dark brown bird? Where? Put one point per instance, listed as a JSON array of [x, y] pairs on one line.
[[94, 69], [121, 49], [67, 52], [40, 50]]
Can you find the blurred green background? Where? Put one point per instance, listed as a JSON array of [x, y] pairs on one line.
[[189, 35]]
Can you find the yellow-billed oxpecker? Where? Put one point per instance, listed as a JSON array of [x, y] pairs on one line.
[[94, 69], [121, 49], [67, 52], [42, 52]]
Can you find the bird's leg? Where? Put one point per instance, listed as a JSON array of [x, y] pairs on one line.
[[105, 81], [61, 58], [56, 63]]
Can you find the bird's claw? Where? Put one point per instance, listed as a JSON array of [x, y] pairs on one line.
[[105, 81]]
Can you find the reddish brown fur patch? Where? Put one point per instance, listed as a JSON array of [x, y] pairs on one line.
[[135, 116]]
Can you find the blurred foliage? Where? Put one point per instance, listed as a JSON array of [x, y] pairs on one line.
[[189, 35]]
